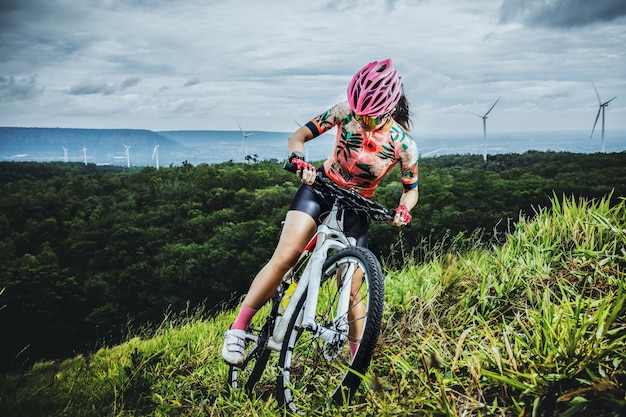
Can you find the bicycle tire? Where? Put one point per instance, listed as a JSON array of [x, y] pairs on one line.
[[312, 370]]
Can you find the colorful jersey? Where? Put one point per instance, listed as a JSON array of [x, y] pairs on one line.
[[361, 158]]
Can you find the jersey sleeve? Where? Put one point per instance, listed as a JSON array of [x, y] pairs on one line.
[[329, 119], [409, 160]]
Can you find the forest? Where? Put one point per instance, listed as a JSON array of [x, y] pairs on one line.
[[89, 254]]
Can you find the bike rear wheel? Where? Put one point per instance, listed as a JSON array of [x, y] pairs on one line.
[[314, 368], [258, 355], [247, 375]]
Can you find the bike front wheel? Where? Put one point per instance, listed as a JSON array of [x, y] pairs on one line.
[[319, 365]]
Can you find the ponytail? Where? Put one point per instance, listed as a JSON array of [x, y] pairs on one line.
[[402, 115]]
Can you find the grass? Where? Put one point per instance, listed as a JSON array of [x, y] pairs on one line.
[[534, 326]]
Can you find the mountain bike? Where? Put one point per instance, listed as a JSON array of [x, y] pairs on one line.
[[334, 294]]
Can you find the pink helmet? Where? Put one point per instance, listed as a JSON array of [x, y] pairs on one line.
[[375, 89]]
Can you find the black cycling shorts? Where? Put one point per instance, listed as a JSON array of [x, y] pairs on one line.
[[308, 201]]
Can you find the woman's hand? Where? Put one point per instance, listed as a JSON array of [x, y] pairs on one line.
[[408, 200], [402, 217], [306, 172]]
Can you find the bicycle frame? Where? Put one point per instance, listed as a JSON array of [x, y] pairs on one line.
[[328, 237]]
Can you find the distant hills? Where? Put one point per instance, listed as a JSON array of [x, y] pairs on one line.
[[108, 146]]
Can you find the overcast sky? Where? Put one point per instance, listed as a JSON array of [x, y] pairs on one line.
[[202, 64]]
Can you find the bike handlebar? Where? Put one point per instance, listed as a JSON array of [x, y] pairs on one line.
[[355, 200]]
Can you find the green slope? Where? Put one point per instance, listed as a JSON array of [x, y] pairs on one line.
[[534, 326]]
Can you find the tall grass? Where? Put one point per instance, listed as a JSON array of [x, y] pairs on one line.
[[531, 327]]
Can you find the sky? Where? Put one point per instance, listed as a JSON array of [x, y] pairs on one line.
[[271, 65]]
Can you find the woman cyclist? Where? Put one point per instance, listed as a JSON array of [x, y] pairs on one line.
[[372, 137]]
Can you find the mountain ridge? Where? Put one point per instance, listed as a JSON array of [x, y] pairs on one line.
[[108, 146]]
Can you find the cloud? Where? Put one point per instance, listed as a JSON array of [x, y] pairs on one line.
[[12, 11], [166, 64], [561, 13], [192, 82], [130, 82], [18, 89], [88, 88]]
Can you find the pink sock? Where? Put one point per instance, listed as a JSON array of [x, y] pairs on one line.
[[243, 319], [353, 348]]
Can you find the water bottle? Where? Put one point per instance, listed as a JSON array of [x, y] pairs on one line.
[[287, 296]]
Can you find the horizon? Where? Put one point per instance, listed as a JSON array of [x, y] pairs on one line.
[[414, 132], [216, 146]]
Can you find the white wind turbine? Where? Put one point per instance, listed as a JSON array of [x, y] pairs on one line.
[[600, 109], [65, 153], [127, 155], [484, 117], [84, 154], [155, 154], [244, 144]]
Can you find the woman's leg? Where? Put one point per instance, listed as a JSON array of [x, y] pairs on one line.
[[298, 229]]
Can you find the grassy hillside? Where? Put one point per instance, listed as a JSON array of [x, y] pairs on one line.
[[534, 326]]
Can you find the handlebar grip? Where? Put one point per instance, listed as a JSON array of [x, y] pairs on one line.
[[290, 167], [293, 168]]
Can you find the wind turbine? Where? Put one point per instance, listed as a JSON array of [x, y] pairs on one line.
[[155, 154], [245, 140], [65, 153], [85, 154], [600, 109], [127, 155], [484, 117]]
